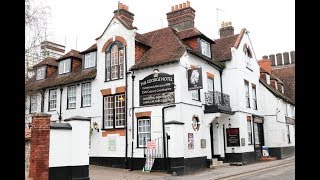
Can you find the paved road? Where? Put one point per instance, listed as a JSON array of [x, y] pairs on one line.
[[284, 172]]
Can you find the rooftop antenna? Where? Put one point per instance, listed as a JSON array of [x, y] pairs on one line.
[[217, 10]]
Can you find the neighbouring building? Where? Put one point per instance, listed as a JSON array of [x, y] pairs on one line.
[[194, 98]]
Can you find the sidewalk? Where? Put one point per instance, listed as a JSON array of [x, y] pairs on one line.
[[102, 173]]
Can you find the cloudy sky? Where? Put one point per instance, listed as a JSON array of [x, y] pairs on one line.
[[76, 23]]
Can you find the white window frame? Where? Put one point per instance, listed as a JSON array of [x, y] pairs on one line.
[[41, 72], [195, 94], [254, 97], [90, 60], [144, 130], [33, 103], [52, 100], [119, 110], [210, 85], [86, 95], [249, 129], [108, 112], [64, 66], [72, 97], [205, 48], [247, 94], [268, 78]]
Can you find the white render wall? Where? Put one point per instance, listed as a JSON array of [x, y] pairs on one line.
[[60, 149], [275, 132]]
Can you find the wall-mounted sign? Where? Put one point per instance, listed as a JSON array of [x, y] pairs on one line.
[[233, 137], [195, 79], [190, 141], [203, 143], [112, 143], [151, 144], [243, 141], [195, 123], [156, 89]]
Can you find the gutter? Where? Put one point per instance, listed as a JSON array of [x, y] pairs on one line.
[[60, 118]]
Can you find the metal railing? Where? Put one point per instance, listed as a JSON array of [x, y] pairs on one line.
[[217, 98]]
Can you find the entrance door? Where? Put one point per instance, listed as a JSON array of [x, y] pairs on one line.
[[258, 139], [211, 139]]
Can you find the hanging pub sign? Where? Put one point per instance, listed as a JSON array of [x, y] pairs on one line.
[[156, 89], [233, 137], [195, 79]]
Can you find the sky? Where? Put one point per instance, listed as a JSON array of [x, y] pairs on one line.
[[77, 23]]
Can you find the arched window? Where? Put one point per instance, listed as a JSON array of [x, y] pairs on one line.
[[114, 61]]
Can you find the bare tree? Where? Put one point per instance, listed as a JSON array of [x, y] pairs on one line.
[[36, 15]]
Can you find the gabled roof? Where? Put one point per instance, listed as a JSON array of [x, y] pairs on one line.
[[71, 53], [276, 92], [90, 49], [47, 61], [129, 27], [57, 80], [166, 47], [141, 39], [222, 48], [193, 32]]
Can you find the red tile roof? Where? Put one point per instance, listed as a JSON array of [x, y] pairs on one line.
[[90, 49], [47, 61], [222, 48], [276, 92], [57, 80], [191, 32], [166, 47], [287, 75], [71, 53], [141, 39]]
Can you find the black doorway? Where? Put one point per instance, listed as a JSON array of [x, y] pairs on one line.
[[211, 139]]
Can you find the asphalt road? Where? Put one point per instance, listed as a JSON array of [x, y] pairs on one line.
[[283, 172]]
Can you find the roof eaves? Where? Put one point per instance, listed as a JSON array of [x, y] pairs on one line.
[[239, 38]]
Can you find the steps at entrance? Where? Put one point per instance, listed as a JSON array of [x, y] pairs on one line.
[[216, 164]]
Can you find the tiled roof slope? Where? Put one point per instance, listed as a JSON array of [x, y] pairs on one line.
[[141, 39], [91, 48], [71, 53], [287, 75], [276, 92], [166, 47], [47, 61], [222, 48]]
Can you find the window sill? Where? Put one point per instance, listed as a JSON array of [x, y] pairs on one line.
[[113, 80], [251, 144], [196, 100], [89, 68], [112, 129], [85, 106], [141, 147], [52, 110], [70, 108]]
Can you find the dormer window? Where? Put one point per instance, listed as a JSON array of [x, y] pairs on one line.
[[90, 60], [64, 66], [268, 78], [205, 48], [41, 71]]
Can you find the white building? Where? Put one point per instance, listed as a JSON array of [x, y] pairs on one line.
[[134, 87]]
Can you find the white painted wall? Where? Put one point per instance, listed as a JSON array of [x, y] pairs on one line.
[[60, 150]]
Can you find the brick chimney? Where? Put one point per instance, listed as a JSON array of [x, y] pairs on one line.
[[226, 29], [123, 13], [265, 64], [279, 59], [181, 17]]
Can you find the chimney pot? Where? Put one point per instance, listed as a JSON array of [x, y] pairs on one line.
[[188, 4], [180, 6], [293, 57], [286, 58], [172, 8], [273, 59], [176, 7], [279, 59], [264, 57], [226, 30], [184, 5], [181, 16]]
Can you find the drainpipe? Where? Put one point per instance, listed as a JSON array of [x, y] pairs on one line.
[[125, 115], [60, 118], [132, 121], [163, 137], [221, 86]]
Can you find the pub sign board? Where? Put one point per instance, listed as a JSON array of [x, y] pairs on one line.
[[195, 79], [233, 137], [156, 89]]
